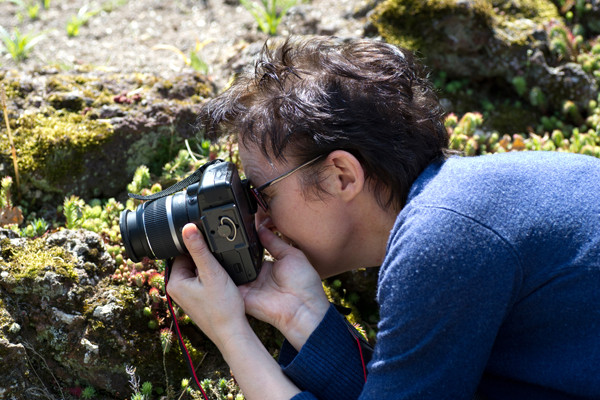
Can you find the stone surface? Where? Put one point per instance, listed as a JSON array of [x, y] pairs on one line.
[[483, 41]]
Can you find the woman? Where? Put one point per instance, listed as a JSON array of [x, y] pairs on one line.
[[490, 266]]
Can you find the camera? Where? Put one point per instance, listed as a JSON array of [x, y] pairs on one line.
[[222, 207]]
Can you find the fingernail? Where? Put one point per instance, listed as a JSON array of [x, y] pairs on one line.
[[190, 231]]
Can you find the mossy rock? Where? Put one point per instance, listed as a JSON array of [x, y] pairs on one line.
[[32, 269], [463, 32], [73, 326], [482, 40], [86, 132]]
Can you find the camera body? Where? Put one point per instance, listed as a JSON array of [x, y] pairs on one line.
[[222, 207]]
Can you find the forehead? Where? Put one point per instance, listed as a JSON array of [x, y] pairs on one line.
[[256, 166]]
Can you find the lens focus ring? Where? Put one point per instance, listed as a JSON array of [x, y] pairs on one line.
[[158, 231]]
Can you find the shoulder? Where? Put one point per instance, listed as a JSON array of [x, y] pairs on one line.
[[438, 247]]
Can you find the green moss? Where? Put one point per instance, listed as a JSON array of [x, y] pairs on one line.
[[12, 89], [163, 144], [408, 23], [35, 258], [124, 296], [537, 10], [104, 98], [400, 21], [55, 141]]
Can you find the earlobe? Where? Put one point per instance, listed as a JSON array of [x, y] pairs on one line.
[[348, 172]]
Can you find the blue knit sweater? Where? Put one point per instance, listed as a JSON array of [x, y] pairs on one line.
[[490, 284]]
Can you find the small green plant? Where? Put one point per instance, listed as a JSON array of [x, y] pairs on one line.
[[73, 211], [31, 7], [520, 85], [111, 5], [197, 63], [10, 216], [147, 389], [141, 180], [36, 228], [142, 393], [5, 200], [166, 339], [268, 13], [571, 111], [194, 60], [80, 19], [537, 98], [223, 386], [562, 42], [33, 10], [88, 393], [19, 45]]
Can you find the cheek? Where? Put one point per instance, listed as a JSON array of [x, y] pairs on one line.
[[289, 222]]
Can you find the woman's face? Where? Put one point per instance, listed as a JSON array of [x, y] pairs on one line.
[[317, 225]]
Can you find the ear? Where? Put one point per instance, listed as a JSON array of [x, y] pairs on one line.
[[348, 174]]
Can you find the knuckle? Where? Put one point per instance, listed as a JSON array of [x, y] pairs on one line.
[[197, 246]]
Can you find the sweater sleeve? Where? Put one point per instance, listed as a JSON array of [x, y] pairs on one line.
[[444, 289], [329, 364]]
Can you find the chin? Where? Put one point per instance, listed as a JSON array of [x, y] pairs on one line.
[[324, 269]]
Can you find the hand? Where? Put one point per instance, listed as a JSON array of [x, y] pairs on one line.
[[288, 293], [202, 287]]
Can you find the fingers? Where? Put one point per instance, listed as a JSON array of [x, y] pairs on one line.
[[273, 243], [183, 268], [208, 267]]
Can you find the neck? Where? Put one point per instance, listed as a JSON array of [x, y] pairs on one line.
[[372, 232]]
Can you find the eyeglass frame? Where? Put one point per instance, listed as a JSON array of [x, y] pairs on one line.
[[257, 192]]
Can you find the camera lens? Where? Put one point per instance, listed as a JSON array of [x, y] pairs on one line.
[[154, 229]]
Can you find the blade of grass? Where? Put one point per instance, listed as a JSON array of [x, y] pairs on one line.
[[19, 45]]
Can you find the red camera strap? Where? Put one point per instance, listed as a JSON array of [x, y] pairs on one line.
[[184, 350], [359, 341]]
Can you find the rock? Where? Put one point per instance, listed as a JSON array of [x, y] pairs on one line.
[[88, 249], [17, 379], [63, 320], [480, 40], [8, 234], [108, 112], [81, 140], [72, 101], [107, 312]]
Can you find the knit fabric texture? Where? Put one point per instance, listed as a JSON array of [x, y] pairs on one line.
[[490, 285]]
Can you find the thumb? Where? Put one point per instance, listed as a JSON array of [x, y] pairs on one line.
[[274, 244], [206, 264]]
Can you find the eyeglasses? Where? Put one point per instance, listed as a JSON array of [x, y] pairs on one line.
[[257, 192]]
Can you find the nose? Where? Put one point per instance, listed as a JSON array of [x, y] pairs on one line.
[[263, 218]]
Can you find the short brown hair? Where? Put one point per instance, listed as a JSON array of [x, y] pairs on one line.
[[310, 96]]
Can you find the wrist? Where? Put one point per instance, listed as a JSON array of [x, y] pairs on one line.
[[303, 324], [255, 370], [234, 336]]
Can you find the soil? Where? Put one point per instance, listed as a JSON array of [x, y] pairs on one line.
[[125, 35]]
